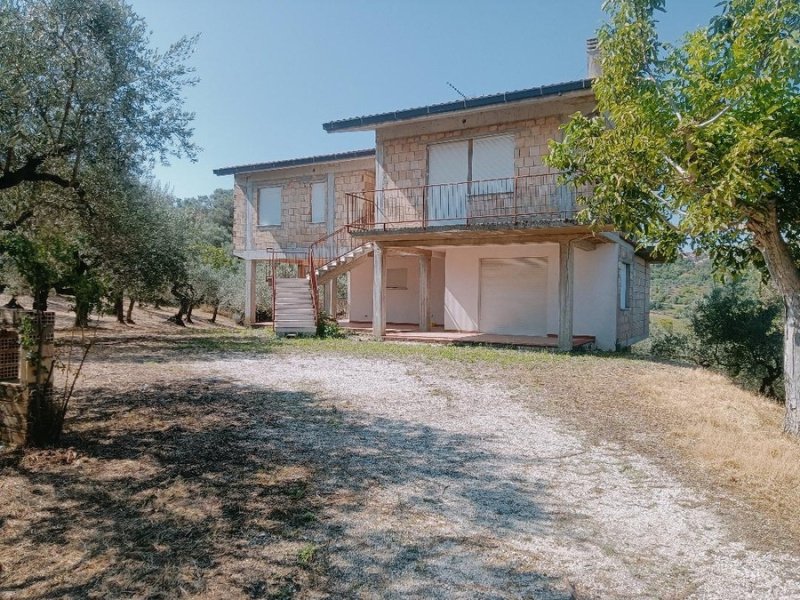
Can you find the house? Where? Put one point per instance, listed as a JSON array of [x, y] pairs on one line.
[[453, 222]]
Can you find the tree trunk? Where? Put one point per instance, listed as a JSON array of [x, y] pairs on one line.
[[786, 277], [40, 298], [791, 364], [81, 313], [214, 314], [183, 308], [119, 308], [129, 314]]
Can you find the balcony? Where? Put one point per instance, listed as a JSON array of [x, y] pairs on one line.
[[512, 203]]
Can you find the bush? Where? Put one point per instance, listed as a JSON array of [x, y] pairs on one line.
[[741, 334], [735, 331], [328, 327]]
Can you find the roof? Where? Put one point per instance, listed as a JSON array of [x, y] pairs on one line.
[[544, 91], [296, 162]]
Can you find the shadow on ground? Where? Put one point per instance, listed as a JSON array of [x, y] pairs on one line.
[[208, 488]]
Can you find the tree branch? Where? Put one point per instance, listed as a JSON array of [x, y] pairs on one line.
[[708, 122]]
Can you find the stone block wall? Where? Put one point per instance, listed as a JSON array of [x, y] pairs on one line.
[[405, 159], [19, 380], [633, 324], [296, 230]]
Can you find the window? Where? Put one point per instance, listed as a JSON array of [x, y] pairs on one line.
[[318, 194], [624, 286], [269, 206], [487, 163], [493, 158], [397, 279]]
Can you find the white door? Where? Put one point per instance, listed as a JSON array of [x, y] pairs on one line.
[[448, 164], [513, 296]]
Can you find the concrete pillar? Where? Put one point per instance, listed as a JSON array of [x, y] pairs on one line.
[[425, 292], [330, 298], [378, 291], [566, 276], [249, 292]]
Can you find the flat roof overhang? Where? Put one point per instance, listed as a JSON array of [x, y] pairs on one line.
[[297, 162], [582, 87], [482, 234]]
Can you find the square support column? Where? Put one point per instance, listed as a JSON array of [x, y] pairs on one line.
[[330, 298], [378, 291], [566, 276], [425, 292], [249, 292]]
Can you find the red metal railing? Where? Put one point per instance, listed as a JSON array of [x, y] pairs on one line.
[[511, 201], [312, 275], [271, 274]]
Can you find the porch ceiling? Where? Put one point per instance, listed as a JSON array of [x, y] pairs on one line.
[[473, 237]]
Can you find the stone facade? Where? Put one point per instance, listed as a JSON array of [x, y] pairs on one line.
[[633, 323], [405, 159], [16, 390], [296, 231]]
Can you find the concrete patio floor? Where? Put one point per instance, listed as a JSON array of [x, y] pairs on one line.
[[409, 332]]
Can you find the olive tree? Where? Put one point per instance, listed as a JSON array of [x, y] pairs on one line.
[[701, 140], [80, 86]]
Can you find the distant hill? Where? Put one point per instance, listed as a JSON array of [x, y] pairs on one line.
[[675, 287]]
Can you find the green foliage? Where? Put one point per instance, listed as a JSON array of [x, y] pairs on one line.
[[699, 140], [328, 327], [81, 89], [735, 331]]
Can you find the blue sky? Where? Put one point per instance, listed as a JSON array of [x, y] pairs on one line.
[[272, 71]]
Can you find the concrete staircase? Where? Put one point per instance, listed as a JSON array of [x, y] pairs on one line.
[[343, 263], [294, 307]]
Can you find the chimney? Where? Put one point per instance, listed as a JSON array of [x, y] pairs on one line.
[[592, 58]]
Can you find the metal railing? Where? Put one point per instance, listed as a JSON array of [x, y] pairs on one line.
[[513, 201]]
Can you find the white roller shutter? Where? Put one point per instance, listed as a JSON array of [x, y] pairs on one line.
[[318, 193], [493, 158], [513, 296], [269, 206], [448, 163]]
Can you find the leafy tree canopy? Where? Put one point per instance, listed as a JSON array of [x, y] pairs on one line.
[[81, 87], [701, 140]]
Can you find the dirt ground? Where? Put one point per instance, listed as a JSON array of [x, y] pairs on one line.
[[214, 463]]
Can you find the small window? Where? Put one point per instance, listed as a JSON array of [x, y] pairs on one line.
[[318, 193], [269, 206], [624, 286], [397, 279]]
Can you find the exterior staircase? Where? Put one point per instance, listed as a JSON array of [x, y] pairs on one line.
[[293, 307], [342, 264]]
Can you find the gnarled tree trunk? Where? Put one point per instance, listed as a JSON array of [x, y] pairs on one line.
[[119, 308], [214, 314], [129, 314]]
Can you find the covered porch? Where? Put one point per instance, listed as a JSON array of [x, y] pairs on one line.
[[478, 310], [408, 332]]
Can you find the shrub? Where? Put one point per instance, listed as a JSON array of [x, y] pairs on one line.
[[741, 334], [328, 327], [735, 331]]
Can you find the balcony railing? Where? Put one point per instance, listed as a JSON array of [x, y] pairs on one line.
[[511, 202]]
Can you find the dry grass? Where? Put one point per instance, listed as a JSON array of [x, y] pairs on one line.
[[161, 490], [704, 428]]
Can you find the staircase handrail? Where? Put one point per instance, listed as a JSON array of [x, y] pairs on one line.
[[312, 274]]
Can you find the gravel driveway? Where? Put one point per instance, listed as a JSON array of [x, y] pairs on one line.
[[438, 485]]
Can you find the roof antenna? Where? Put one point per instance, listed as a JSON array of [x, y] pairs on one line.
[[460, 93]]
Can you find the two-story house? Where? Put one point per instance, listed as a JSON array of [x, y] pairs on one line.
[[452, 223]]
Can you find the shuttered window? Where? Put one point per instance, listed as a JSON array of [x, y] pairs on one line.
[[493, 158], [269, 206], [318, 193]]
